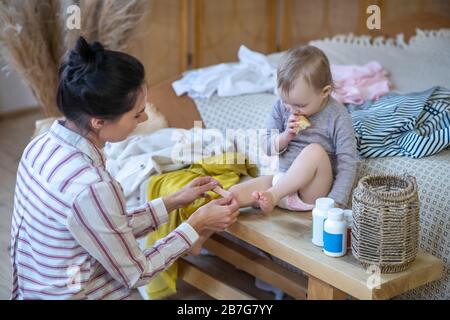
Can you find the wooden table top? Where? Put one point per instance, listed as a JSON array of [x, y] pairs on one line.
[[287, 235]]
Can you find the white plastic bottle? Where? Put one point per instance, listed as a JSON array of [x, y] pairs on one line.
[[335, 233], [319, 215]]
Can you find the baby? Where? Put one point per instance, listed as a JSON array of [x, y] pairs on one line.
[[317, 161]]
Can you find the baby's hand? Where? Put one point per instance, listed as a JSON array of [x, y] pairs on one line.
[[292, 125]]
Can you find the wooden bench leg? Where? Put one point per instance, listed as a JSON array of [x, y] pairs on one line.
[[216, 288], [319, 290], [265, 269]]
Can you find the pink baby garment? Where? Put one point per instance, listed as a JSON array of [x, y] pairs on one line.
[[357, 84]]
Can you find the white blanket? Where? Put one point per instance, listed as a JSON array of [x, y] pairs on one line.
[[133, 161], [255, 72]]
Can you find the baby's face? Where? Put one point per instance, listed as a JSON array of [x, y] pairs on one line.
[[303, 99]]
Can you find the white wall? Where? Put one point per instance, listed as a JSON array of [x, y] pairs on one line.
[[14, 93]]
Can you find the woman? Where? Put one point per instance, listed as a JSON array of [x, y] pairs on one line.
[[72, 237]]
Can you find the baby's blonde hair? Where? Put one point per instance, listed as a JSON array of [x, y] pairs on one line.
[[306, 61]]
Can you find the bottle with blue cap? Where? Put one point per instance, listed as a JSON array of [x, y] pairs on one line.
[[335, 233]]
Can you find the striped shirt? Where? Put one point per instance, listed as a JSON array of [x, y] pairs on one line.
[[414, 124], [71, 235]]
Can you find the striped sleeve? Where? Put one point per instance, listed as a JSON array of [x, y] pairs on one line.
[[143, 219], [102, 227], [147, 218]]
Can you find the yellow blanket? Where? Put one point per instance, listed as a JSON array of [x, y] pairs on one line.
[[164, 284]]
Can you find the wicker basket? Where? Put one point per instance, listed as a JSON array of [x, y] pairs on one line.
[[385, 230]]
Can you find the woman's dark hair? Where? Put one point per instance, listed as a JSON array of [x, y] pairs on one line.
[[95, 82]]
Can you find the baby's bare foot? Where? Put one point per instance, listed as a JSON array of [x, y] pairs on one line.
[[265, 200]]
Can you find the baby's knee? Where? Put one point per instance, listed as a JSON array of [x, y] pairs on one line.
[[315, 150]]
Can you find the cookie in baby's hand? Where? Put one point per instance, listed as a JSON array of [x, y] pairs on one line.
[[303, 123]]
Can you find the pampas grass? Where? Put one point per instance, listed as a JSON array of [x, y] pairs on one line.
[[26, 47], [117, 21], [113, 23], [34, 37]]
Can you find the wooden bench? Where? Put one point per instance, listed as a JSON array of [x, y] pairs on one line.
[[287, 236]]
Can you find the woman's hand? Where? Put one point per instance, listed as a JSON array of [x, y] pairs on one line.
[[216, 215], [190, 192]]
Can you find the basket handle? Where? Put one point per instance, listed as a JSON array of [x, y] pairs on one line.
[[411, 181]]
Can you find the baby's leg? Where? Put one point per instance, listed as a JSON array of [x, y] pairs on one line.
[[322, 181], [242, 192], [310, 174]]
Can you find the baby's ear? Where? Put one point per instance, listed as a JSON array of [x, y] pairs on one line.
[[326, 91]]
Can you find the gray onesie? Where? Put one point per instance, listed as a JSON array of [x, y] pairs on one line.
[[331, 128]]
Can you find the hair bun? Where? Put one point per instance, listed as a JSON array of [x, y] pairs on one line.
[[97, 47], [88, 52]]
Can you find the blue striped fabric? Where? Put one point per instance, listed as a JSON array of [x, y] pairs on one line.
[[415, 125]]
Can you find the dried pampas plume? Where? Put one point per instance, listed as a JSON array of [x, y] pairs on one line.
[[113, 23], [27, 45], [34, 37]]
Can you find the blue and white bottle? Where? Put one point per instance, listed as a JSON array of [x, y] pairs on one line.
[[335, 233]]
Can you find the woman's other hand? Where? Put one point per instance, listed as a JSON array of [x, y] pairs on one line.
[[195, 189]]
